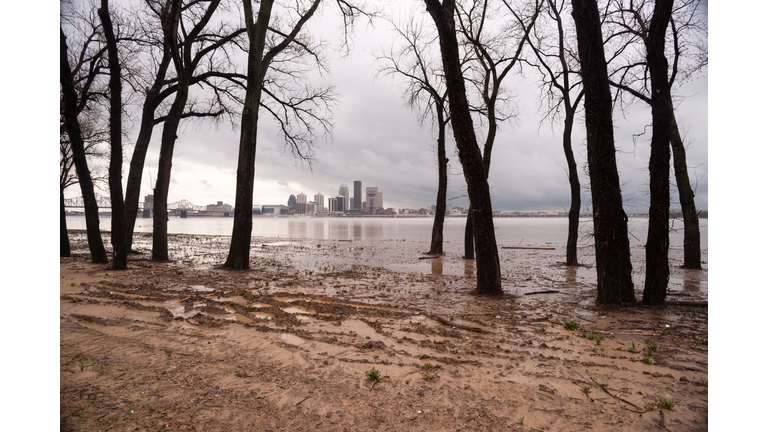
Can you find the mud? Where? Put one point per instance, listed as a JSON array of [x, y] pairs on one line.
[[185, 345]]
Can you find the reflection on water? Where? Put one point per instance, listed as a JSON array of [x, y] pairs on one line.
[[437, 266], [692, 281], [570, 275], [357, 231], [509, 231], [469, 268]]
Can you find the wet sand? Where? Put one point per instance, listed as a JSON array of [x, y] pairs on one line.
[[286, 345]]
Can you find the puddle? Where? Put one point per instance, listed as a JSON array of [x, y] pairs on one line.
[[292, 339], [295, 310], [199, 288]]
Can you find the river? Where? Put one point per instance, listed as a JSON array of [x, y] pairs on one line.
[[509, 231]]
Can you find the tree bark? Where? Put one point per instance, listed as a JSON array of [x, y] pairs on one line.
[[240, 247], [662, 111], [72, 126], [612, 254], [571, 257], [436, 246], [119, 246], [64, 250], [487, 254], [167, 143], [691, 233], [469, 240]]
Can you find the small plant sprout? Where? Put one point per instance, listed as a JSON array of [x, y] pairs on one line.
[[521, 419], [633, 348], [373, 374], [652, 347], [586, 390], [705, 341], [494, 314], [325, 362], [666, 403], [594, 336], [571, 325], [427, 366], [647, 359], [702, 379]]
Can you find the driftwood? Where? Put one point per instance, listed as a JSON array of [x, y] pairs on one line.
[[528, 247], [543, 292], [430, 257], [459, 326]]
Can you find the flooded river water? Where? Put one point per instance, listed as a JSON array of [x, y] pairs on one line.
[[509, 231]]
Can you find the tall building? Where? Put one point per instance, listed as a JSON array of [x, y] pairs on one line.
[[374, 200], [319, 198], [357, 200], [301, 204], [344, 192], [292, 201]]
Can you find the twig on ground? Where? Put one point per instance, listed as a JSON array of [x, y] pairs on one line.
[[616, 397]]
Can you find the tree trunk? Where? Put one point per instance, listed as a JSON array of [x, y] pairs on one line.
[[691, 234], [168, 141], [442, 188], [657, 246], [469, 239], [119, 247], [612, 254], [72, 126], [486, 252], [571, 258], [170, 21], [240, 247], [64, 250]]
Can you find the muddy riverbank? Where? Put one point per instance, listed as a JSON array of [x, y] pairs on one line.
[[288, 344]]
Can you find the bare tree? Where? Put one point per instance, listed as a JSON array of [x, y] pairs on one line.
[[192, 43], [562, 91], [279, 56], [118, 233], [425, 94], [612, 254], [488, 268], [69, 102], [92, 135], [686, 49], [494, 52]]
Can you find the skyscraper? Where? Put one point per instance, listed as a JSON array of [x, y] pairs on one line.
[[374, 199], [344, 192], [357, 200], [319, 198], [292, 201]]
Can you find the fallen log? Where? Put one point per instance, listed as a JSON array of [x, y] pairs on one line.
[[543, 292], [459, 326], [528, 247]]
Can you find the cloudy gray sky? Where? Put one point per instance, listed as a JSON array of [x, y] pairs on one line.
[[378, 141]]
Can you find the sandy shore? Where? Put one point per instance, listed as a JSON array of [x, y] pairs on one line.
[[288, 344]]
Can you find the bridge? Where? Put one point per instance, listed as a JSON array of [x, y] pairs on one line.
[[103, 202]]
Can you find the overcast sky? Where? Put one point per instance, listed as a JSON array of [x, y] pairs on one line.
[[377, 140]]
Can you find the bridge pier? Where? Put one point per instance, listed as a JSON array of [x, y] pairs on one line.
[[146, 213], [183, 214]]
